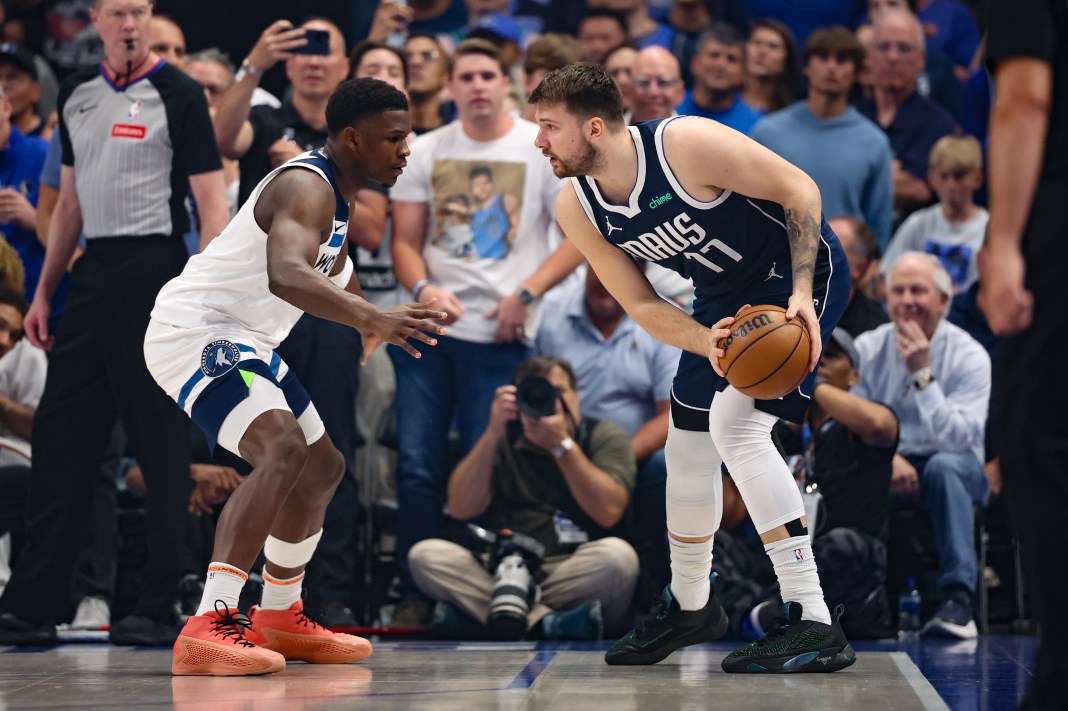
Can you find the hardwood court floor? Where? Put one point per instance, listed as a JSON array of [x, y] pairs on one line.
[[989, 674]]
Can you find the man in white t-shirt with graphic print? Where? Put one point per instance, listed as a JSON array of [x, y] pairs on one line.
[[492, 300]]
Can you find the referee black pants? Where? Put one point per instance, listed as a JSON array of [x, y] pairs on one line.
[[1034, 440], [97, 372]]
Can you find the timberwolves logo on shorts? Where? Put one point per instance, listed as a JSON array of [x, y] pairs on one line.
[[218, 358]]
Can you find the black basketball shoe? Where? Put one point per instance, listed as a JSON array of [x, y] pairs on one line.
[[795, 645], [667, 628]]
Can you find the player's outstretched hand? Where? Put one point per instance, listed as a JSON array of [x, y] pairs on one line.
[[719, 331], [397, 324], [801, 305]]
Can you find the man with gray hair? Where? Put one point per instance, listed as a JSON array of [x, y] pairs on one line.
[[912, 122], [937, 379], [656, 84]]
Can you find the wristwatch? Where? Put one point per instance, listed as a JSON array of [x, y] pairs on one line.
[[526, 296], [563, 448], [418, 286], [922, 378], [247, 68]]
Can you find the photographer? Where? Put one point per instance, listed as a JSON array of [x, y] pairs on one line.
[[543, 470]]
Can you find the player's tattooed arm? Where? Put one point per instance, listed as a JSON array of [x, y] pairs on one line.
[[803, 232]]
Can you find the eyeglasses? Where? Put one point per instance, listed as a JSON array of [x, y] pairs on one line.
[[427, 55], [901, 47], [661, 82]]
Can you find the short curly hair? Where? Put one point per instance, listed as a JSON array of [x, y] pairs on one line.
[[12, 272], [357, 99]]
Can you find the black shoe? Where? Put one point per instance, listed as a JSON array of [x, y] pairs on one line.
[[952, 620], [449, 623], [16, 631], [667, 628], [134, 631], [337, 614], [413, 613], [795, 645], [190, 590]]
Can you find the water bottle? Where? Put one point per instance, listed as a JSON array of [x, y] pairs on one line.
[[908, 609]]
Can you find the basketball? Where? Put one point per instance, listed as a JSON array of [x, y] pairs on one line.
[[766, 356]]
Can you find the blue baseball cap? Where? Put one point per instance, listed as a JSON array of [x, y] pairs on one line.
[[502, 25], [20, 57]]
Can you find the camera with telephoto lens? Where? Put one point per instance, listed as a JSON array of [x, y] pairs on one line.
[[514, 561], [536, 397]]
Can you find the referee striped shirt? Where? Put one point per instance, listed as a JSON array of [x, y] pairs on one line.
[[134, 148]]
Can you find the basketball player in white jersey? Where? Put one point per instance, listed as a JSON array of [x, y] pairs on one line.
[[210, 346]]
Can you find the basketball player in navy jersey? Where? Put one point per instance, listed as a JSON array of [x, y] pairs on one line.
[[746, 227]]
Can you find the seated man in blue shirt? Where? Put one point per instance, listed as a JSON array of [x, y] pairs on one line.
[[717, 80], [937, 379], [624, 376]]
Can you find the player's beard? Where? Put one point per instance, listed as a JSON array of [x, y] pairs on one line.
[[588, 161]]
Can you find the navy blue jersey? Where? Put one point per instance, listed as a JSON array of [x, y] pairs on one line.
[[319, 160], [735, 251], [721, 245]]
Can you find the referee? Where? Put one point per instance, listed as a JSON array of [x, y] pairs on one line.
[[136, 137], [1022, 292]]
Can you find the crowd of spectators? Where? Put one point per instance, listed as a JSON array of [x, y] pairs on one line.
[[881, 102]]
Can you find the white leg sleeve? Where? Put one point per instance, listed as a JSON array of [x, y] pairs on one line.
[[742, 434], [694, 484], [694, 510]]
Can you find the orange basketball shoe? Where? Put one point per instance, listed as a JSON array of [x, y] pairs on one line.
[[214, 644], [298, 638]]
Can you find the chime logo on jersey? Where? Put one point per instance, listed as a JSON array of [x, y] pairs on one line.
[[681, 235], [218, 358]]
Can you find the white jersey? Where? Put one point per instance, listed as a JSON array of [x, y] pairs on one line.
[[225, 286]]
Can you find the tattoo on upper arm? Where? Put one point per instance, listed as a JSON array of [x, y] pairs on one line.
[[802, 230]]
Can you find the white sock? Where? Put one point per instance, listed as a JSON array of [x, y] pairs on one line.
[[224, 582], [691, 564], [795, 568], [278, 593]]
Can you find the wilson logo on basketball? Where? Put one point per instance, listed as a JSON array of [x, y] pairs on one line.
[[125, 130], [758, 321]]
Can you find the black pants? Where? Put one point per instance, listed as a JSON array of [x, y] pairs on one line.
[[97, 372], [1034, 439], [325, 357], [14, 483]]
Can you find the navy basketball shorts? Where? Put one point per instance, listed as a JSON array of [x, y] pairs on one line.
[[696, 383], [224, 380]]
